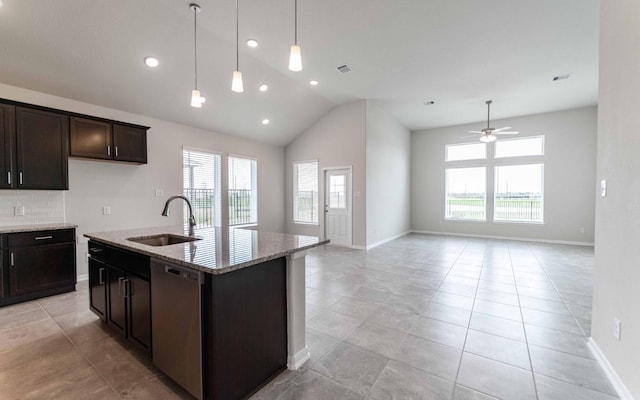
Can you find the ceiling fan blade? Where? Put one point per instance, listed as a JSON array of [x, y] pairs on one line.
[[502, 129], [506, 133], [476, 132]]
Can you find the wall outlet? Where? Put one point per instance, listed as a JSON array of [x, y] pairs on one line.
[[159, 192], [18, 211], [582, 229], [106, 210], [617, 327]]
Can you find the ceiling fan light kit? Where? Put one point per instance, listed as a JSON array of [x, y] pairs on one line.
[[488, 134]]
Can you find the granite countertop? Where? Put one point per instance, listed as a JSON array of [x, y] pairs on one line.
[[35, 227], [218, 250]]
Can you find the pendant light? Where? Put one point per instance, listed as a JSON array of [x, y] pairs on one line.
[[295, 59], [196, 99], [236, 83]]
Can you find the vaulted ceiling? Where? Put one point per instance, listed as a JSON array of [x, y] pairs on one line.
[[457, 53]]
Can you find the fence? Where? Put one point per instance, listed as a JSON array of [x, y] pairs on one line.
[[307, 206], [203, 203], [240, 206], [505, 209]]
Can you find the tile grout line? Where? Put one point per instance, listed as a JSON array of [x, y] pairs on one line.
[[524, 329], [80, 352]]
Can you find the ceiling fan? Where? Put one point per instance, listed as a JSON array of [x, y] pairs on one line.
[[488, 134]]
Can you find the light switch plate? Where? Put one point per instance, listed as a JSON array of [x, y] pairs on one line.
[[18, 211], [159, 192], [106, 210], [603, 188]]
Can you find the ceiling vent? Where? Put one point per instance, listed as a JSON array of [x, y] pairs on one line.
[[344, 68], [561, 77]]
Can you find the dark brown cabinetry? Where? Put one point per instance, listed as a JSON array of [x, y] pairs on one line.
[[98, 139], [42, 139], [7, 141], [37, 264], [119, 291]]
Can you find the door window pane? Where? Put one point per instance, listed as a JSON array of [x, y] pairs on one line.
[[470, 151], [305, 195], [337, 191], [466, 193], [518, 193], [201, 185], [243, 193], [533, 146]]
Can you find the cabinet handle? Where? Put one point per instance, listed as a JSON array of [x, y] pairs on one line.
[[95, 250], [108, 150], [9, 177], [116, 151], [101, 276], [127, 284], [13, 261], [120, 286], [44, 237], [21, 178]]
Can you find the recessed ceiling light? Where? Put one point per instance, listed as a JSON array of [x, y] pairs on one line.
[[263, 88], [1, 3], [265, 121], [252, 43], [150, 61], [313, 82]]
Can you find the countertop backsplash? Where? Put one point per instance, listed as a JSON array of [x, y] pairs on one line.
[[40, 207]]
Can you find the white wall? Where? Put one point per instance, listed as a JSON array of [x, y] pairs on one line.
[[388, 152], [617, 256], [130, 189], [336, 140], [569, 181]]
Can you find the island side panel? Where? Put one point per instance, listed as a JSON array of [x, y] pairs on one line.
[[245, 329], [297, 350]]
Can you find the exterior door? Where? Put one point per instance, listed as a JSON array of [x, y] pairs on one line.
[[337, 206]]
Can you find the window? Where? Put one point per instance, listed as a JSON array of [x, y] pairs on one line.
[[305, 192], [533, 146], [469, 151], [243, 193], [201, 185], [518, 193], [338, 191], [513, 167], [466, 193]]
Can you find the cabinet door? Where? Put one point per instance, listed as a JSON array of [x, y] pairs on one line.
[[139, 297], [90, 138], [2, 277], [7, 141], [130, 144], [42, 144], [37, 268], [98, 288], [116, 307]]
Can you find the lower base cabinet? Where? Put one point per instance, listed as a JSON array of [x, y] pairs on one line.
[[120, 292], [37, 264]]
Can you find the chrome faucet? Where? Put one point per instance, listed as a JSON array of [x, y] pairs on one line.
[[192, 219]]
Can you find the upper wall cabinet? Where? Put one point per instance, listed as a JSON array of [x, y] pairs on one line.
[[108, 141], [42, 139], [7, 141]]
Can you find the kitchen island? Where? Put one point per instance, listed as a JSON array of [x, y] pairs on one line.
[[221, 315]]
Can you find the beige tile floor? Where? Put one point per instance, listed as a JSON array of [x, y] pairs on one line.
[[422, 317]]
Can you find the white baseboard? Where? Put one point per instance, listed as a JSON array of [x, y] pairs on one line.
[[81, 278], [294, 362], [521, 239], [615, 380], [383, 241]]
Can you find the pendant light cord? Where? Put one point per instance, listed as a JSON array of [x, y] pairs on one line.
[[195, 44], [237, 37], [295, 33]]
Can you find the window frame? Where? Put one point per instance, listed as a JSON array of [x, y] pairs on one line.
[[295, 165], [446, 194], [254, 190], [495, 191]]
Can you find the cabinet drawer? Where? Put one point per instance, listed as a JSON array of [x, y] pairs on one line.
[[97, 251], [39, 238]]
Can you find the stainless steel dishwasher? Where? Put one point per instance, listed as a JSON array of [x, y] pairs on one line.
[[175, 319]]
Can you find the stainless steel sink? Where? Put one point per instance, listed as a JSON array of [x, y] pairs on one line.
[[164, 239]]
